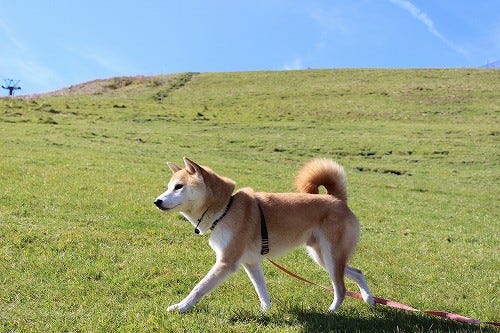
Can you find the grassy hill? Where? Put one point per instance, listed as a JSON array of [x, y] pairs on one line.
[[83, 249]]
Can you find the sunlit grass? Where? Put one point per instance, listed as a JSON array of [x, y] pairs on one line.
[[83, 249]]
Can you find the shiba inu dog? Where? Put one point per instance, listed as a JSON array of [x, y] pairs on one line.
[[247, 226]]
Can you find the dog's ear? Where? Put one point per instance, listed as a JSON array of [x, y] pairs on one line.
[[174, 167], [191, 167]]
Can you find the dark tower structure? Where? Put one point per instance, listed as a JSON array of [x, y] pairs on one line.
[[11, 86]]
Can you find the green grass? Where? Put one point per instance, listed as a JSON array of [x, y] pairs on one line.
[[83, 249]]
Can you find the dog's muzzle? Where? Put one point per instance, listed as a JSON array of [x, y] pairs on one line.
[[159, 203]]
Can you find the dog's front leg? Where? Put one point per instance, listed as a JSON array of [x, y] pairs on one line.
[[217, 274], [256, 275]]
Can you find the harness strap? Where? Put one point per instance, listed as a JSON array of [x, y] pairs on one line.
[[223, 214], [263, 232]]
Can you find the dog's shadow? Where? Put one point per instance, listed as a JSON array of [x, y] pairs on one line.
[[379, 319]]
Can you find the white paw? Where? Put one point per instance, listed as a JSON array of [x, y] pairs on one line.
[[265, 306], [369, 299], [333, 308], [173, 308], [181, 307]]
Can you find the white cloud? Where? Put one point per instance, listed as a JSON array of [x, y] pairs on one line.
[[18, 63], [295, 64], [109, 61], [418, 14], [427, 21], [10, 36], [329, 20]]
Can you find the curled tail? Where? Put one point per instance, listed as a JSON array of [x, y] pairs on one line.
[[322, 172]]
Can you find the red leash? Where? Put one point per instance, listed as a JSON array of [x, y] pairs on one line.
[[393, 304]]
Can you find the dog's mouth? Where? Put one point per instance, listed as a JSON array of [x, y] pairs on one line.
[[159, 205]]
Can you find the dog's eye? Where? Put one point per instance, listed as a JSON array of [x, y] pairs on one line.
[[178, 187]]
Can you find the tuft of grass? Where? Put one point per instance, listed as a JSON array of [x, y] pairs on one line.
[[119, 82], [83, 249]]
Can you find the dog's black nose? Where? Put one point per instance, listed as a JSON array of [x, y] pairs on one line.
[[158, 202]]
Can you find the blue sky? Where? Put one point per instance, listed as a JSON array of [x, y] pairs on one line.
[[53, 44]]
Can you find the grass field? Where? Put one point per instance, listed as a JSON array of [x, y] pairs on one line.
[[83, 249]]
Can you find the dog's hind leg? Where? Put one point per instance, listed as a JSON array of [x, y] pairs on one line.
[[256, 275], [357, 276], [321, 252], [217, 274], [335, 266], [323, 257], [352, 273], [339, 289]]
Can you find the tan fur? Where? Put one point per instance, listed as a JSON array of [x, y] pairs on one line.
[[322, 171], [323, 223]]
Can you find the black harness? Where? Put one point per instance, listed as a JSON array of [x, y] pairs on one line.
[[263, 226], [223, 214], [263, 232], [197, 231]]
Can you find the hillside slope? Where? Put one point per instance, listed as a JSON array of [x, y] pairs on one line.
[[310, 94], [82, 247]]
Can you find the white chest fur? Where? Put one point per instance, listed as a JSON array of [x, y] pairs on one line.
[[219, 240]]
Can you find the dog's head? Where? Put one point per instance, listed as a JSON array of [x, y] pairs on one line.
[[186, 189], [193, 188]]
